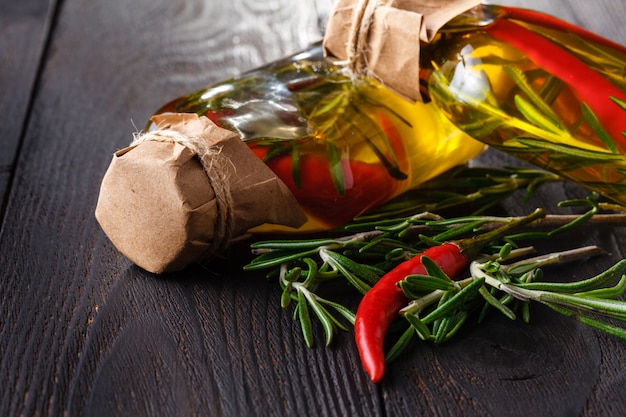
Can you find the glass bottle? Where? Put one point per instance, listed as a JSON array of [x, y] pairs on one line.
[[341, 145], [535, 87]]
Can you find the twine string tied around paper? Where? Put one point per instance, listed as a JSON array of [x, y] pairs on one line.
[[217, 168]]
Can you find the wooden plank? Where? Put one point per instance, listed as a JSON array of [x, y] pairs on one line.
[[553, 366], [24, 27], [96, 335], [83, 332]]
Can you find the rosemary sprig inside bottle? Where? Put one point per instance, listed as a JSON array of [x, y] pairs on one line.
[[529, 109]]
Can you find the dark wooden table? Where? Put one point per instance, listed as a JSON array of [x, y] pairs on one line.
[[83, 332]]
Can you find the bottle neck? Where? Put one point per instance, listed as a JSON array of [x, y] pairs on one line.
[[476, 18]]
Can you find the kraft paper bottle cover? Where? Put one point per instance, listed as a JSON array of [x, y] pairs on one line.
[[187, 190], [380, 39]]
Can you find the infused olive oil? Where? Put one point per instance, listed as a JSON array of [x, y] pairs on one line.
[[341, 145]]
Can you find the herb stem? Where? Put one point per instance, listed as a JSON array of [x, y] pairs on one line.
[[417, 305], [571, 255]]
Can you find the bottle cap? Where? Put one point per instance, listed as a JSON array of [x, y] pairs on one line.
[[185, 191]]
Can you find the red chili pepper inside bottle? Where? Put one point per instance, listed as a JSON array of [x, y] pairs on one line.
[[538, 88]]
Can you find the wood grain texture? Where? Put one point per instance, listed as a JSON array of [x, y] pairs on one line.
[[84, 332], [24, 28]]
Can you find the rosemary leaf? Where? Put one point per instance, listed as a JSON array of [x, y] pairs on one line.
[[434, 270], [587, 156], [336, 169], [293, 274], [460, 320], [494, 302], [590, 321], [610, 275], [610, 308], [417, 285], [269, 260], [535, 116], [471, 226], [404, 342], [342, 310], [388, 160], [442, 327], [305, 319], [285, 298], [292, 244], [612, 292], [296, 172], [312, 271], [603, 326], [327, 320], [597, 128], [429, 241], [619, 102], [537, 99], [550, 89], [336, 261], [418, 325], [525, 312], [456, 301]]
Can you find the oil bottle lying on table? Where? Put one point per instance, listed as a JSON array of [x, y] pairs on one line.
[[341, 145]]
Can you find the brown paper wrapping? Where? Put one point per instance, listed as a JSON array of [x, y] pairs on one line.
[[381, 38], [185, 191]]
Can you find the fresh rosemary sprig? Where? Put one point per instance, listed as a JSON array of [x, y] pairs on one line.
[[436, 313], [303, 292], [471, 189], [304, 266]]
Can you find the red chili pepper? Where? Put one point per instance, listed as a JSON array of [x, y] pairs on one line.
[[589, 86], [548, 21], [366, 184], [381, 304]]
